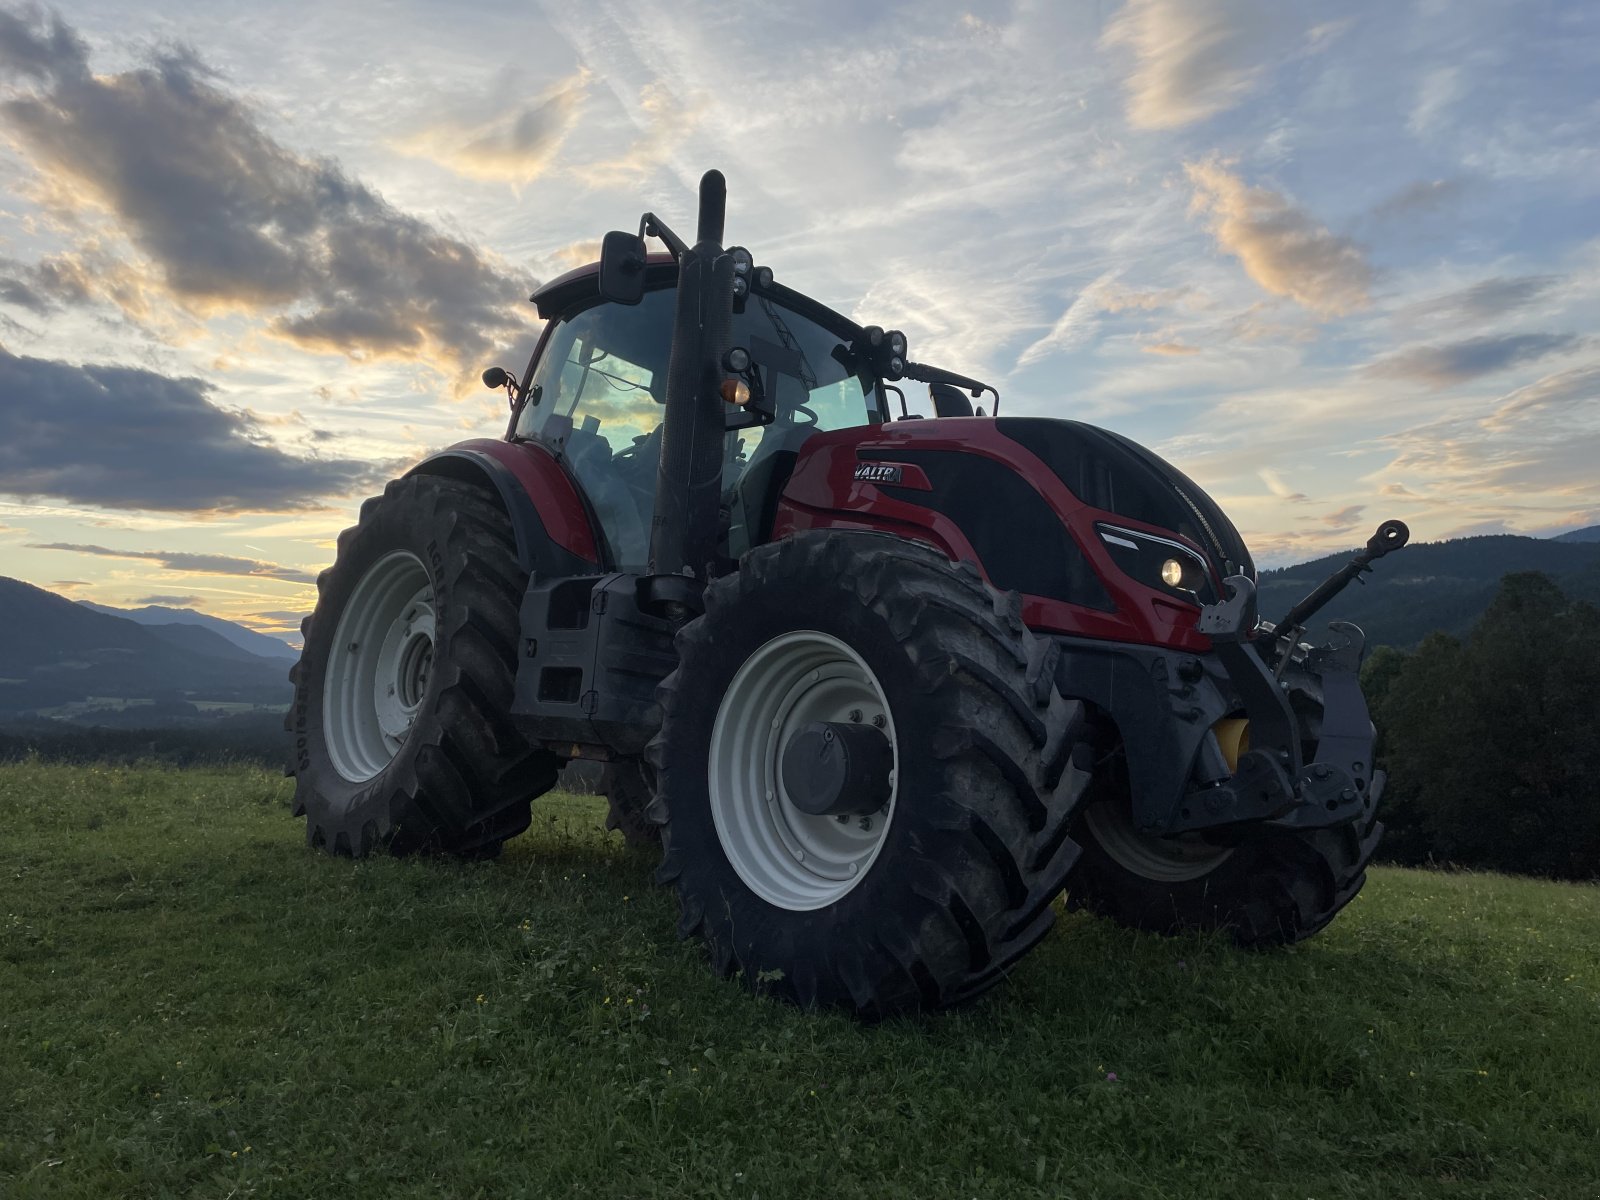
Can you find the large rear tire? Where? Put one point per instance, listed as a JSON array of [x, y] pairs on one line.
[[928, 899], [402, 738]]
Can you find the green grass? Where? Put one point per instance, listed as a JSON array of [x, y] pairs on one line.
[[193, 1004]]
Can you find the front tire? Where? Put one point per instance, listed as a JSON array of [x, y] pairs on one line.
[[928, 899], [1274, 887], [402, 738]]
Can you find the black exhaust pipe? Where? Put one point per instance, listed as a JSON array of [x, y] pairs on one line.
[[683, 532]]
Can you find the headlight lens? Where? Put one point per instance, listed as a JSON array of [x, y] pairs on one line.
[[1162, 563]]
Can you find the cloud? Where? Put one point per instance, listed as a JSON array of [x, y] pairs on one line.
[[1567, 390], [1280, 246], [515, 144], [170, 601], [230, 219], [1533, 451], [577, 254], [1074, 327], [1493, 297], [1192, 58], [123, 437], [188, 563], [1439, 91], [664, 120], [1423, 196], [1458, 362], [1345, 518], [1171, 349], [45, 287], [1280, 489]]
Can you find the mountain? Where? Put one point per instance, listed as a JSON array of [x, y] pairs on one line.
[[54, 652], [200, 640], [1431, 585], [1591, 534], [156, 615]]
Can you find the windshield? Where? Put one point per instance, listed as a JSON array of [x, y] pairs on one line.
[[601, 381]]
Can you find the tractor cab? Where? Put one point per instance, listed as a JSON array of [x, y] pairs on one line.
[[595, 395]]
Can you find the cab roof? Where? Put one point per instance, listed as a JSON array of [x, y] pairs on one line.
[[581, 286]]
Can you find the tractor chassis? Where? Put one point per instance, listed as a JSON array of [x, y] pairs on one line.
[[592, 655]]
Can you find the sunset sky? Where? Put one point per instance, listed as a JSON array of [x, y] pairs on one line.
[[1340, 262]]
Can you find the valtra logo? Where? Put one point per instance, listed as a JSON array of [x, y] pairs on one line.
[[877, 472]]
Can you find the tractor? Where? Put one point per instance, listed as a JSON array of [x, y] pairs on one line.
[[881, 686]]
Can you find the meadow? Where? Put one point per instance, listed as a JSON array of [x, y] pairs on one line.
[[191, 1003]]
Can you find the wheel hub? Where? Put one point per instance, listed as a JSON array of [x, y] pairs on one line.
[[793, 858]]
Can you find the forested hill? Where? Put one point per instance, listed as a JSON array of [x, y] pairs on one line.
[[1433, 585], [55, 652]]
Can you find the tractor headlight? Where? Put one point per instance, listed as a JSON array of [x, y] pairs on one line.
[[1158, 562]]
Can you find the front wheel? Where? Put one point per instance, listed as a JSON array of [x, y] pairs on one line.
[[1271, 887], [865, 780], [402, 738]]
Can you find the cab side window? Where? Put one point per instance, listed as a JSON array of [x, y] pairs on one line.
[[601, 382]]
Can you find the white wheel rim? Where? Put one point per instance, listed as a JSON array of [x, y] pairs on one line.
[[379, 667], [1166, 860], [790, 858]]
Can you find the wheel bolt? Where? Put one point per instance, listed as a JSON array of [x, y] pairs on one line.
[[855, 715], [843, 818], [880, 720], [865, 823]]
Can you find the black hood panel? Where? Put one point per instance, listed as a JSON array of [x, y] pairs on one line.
[[1106, 470]]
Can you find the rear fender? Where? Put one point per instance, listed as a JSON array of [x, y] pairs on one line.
[[555, 536]]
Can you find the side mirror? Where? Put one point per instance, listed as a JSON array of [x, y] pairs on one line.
[[622, 267], [496, 377]]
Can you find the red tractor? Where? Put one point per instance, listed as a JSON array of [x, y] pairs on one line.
[[884, 685]]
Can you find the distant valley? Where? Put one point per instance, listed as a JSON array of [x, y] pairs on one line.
[[87, 664], [81, 662]]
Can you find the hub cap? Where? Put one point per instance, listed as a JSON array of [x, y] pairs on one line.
[[1166, 860], [379, 666], [790, 858]]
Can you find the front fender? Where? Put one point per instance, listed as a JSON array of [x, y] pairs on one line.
[[554, 533]]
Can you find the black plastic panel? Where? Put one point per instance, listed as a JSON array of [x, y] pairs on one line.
[[1108, 471], [1021, 543]]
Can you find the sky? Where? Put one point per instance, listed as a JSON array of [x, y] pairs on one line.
[[1339, 263]]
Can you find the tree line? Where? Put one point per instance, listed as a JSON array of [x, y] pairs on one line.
[[1492, 740]]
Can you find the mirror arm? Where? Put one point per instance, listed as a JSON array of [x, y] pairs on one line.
[[923, 373], [651, 225]]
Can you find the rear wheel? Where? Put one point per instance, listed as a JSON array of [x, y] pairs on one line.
[[402, 738], [934, 871]]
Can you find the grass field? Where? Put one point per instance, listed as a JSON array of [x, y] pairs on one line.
[[193, 1004]]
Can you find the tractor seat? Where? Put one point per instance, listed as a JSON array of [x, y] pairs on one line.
[[760, 485], [949, 400]]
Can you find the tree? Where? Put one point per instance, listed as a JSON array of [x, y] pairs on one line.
[[1493, 743]]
